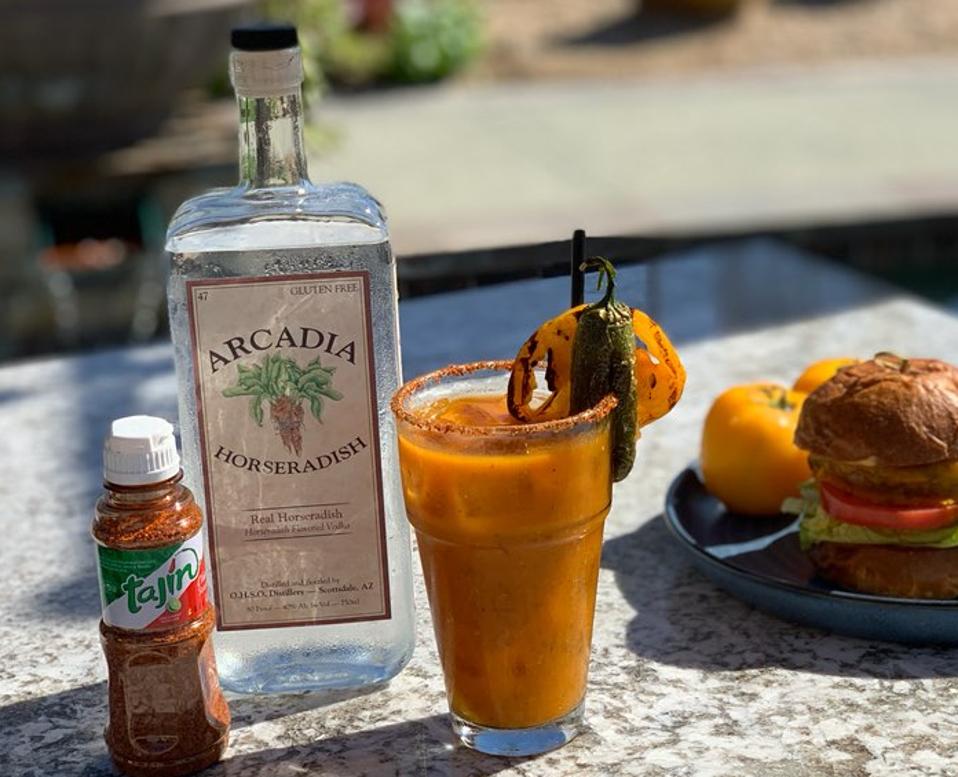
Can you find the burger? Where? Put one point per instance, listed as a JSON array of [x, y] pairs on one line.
[[881, 512]]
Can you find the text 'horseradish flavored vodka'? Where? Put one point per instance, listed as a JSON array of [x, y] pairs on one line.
[[283, 313]]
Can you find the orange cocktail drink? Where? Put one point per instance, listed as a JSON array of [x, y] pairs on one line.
[[509, 520]]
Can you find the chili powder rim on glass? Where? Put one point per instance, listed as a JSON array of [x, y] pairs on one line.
[[400, 399]]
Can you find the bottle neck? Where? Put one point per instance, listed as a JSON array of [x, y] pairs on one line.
[[153, 494], [271, 148]]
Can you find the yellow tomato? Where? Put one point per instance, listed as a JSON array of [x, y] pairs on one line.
[[748, 458], [817, 373]]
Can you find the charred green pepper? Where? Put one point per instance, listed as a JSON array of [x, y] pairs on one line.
[[603, 362]]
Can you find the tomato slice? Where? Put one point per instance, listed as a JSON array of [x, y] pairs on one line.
[[849, 508]]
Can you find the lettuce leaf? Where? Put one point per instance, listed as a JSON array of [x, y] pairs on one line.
[[818, 526]]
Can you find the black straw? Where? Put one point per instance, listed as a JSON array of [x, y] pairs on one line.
[[576, 273]]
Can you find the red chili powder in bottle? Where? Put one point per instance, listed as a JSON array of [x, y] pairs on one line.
[[168, 716]]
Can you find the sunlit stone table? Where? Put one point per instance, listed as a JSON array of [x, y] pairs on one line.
[[685, 679]]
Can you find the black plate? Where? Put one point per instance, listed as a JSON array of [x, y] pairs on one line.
[[759, 561]]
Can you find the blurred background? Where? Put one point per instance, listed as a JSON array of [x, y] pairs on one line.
[[490, 129]]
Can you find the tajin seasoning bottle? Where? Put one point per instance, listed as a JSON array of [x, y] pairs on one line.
[[167, 716], [283, 315]]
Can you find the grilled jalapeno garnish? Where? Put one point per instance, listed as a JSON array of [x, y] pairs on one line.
[[590, 351], [603, 362]]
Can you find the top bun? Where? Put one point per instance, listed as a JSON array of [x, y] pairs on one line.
[[897, 412]]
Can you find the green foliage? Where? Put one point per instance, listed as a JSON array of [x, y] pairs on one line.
[[427, 40], [278, 376], [433, 38]]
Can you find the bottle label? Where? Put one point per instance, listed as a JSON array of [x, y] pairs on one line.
[[158, 588], [289, 439]]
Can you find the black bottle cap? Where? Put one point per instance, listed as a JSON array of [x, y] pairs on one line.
[[266, 36]]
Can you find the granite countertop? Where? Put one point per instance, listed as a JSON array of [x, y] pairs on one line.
[[685, 679]]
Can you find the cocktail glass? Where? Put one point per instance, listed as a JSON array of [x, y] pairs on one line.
[[508, 520]]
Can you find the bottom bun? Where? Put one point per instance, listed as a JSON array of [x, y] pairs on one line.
[[889, 570]]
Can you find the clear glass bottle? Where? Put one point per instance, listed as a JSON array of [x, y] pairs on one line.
[[283, 314]]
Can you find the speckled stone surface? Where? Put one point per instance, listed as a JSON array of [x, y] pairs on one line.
[[685, 680]]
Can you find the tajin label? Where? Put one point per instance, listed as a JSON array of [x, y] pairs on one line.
[[289, 443], [152, 589]]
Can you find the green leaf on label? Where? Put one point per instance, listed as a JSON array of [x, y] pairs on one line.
[[239, 391], [293, 371], [314, 379], [256, 409]]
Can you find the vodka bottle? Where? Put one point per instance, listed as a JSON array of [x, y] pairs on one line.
[[283, 312]]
